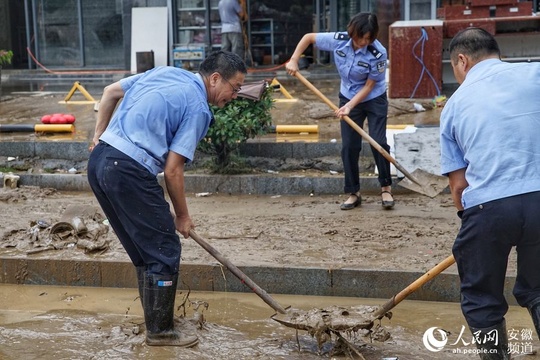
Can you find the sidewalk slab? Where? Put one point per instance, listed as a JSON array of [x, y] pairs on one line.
[[213, 277], [68, 150], [274, 184], [265, 184], [78, 150], [420, 149]]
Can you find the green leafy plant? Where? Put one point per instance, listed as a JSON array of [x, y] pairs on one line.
[[5, 57], [4, 169], [235, 123]]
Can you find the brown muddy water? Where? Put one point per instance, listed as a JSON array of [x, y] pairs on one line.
[[50, 322]]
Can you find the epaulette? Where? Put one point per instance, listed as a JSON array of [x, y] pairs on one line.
[[373, 50], [341, 36]]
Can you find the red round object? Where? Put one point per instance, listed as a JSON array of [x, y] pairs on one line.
[[70, 119], [57, 119], [46, 119]]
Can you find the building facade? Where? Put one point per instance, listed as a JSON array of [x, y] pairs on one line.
[[94, 35], [133, 35]]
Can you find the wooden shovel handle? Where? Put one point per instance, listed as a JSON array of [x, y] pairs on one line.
[[358, 129], [238, 273], [396, 299]]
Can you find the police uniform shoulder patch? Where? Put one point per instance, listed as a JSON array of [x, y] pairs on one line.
[[381, 66], [373, 50], [341, 36], [340, 53]]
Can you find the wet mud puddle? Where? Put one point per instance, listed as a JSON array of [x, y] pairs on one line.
[[48, 322]]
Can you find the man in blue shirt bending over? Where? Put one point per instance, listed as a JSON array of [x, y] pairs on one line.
[[163, 114]]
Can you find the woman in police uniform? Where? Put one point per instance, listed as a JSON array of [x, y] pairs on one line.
[[361, 61]]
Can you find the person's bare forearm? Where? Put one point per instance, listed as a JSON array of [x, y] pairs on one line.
[[362, 94], [292, 64], [457, 183], [345, 110], [303, 44], [174, 181], [111, 95]]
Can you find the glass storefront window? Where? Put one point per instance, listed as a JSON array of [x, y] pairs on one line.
[[60, 25], [103, 35], [420, 9], [58, 33]]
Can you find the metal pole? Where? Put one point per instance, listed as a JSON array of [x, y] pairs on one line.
[[208, 26], [81, 33], [433, 9], [35, 27], [29, 26], [173, 19], [317, 28], [407, 4], [333, 15]]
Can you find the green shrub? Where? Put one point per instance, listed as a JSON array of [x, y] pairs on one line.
[[235, 123], [5, 57]]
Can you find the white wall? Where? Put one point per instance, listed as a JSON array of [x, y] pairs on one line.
[[149, 33]]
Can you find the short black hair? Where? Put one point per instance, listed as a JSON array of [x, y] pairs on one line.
[[363, 23], [224, 62], [474, 42]]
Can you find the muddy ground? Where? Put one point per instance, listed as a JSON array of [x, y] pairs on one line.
[[74, 323], [249, 230], [261, 230], [252, 230]]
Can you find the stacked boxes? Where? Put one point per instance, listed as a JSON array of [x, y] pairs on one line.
[[518, 9], [480, 13], [451, 28], [462, 12], [485, 9]]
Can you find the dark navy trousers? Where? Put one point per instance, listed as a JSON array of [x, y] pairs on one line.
[[135, 205], [488, 233], [376, 112]]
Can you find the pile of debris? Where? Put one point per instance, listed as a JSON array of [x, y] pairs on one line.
[[80, 226]]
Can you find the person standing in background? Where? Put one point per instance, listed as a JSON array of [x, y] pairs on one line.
[[361, 61], [232, 14]]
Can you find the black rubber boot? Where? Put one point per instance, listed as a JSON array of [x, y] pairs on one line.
[[158, 300], [534, 310], [140, 282], [488, 340]]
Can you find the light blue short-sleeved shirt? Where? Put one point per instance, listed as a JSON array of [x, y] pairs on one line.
[[491, 127], [356, 67], [164, 109], [229, 11]]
